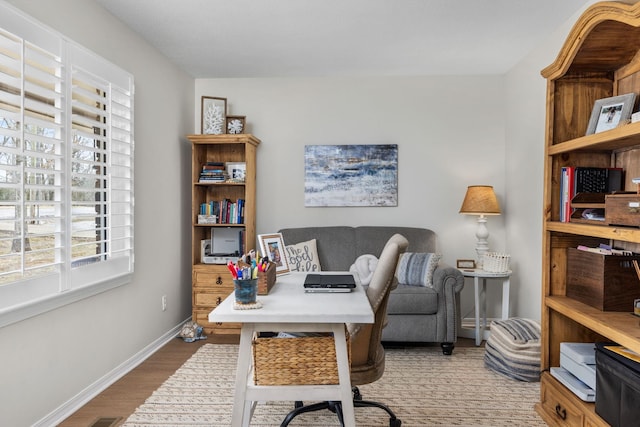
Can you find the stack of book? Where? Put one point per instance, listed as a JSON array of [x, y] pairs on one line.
[[213, 172], [225, 211], [576, 180]]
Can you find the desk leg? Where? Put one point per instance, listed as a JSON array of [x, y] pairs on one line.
[[505, 298], [344, 375], [241, 411]]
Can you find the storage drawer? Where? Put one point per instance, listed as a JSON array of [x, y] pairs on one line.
[[201, 317], [558, 409], [212, 276], [210, 300]]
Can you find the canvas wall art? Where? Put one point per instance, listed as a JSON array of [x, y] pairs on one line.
[[351, 175]]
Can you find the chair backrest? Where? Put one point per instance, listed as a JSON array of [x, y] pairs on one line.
[[367, 353]]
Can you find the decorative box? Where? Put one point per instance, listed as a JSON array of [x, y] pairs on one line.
[[606, 282], [266, 279], [622, 209]]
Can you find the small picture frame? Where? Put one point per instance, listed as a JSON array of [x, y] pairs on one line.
[[235, 124], [465, 263], [236, 171], [213, 115], [608, 113], [272, 246]]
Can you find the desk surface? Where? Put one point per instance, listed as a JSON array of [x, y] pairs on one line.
[[287, 302]]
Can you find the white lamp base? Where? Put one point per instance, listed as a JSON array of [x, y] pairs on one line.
[[482, 245]]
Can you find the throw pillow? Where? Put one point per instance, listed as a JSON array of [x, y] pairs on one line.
[[303, 256], [364, 268], [416, 269]]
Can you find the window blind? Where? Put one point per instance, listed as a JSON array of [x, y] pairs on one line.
[[66, 170]]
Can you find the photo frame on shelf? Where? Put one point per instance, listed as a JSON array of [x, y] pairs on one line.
[[213, 115], [272, 246], [466, 263], [236, 124], [610, 112], [236, 171]]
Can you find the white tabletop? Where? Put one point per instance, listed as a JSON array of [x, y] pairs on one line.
[[478, 272], [287, 302]]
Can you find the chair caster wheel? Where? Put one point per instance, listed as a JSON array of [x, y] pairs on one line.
[[395, 422], [298, 404]]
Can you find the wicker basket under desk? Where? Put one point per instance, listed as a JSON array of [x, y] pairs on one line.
[[295, 361]]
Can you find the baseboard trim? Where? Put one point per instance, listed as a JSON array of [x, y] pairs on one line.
[[78, 401]]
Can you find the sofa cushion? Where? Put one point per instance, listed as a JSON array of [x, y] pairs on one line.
[[303, 256], [416, 269], [413, 300]]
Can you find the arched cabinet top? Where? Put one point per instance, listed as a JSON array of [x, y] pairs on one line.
[[605, 38]]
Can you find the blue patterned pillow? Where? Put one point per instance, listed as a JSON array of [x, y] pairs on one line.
[[416, 269]]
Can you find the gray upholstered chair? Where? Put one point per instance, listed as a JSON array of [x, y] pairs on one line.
[[367, 353]]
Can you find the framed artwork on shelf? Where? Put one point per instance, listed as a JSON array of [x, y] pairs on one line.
[[351, 175], [213, 119], [608, 113], [465, 263], [236, 171], [235, 124], [272, 246]]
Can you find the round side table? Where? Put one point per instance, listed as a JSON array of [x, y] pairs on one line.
[[478, 274]]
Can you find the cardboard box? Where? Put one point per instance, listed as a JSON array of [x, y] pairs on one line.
[[606, 282]]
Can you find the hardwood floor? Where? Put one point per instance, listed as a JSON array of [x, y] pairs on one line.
[[123, 397]]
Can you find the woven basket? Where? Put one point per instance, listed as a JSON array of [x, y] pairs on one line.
[[495, 262], [295, 361]]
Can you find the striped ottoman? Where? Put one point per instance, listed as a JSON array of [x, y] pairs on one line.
[[513, 349]]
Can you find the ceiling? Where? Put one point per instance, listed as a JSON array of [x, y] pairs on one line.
[[288, 38]]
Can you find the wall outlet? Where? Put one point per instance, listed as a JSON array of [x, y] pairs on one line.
[[164, 303]]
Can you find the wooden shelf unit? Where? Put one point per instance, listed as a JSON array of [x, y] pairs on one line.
[[599, 59], [211, 283]]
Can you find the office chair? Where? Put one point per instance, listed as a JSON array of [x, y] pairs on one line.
[[367, 353]]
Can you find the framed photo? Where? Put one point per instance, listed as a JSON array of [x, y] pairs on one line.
[[608, 113], [465, 263], [272, 245], [236, 171], [235, 124], [213, 119]]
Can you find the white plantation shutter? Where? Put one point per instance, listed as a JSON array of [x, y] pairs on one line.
[[66, 170]]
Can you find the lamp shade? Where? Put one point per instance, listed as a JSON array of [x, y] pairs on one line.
[[480, 200]]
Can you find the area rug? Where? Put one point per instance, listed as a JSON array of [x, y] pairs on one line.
[[423, 387]]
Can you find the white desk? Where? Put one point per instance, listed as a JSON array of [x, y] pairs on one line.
[[289, 308], [477, 274]]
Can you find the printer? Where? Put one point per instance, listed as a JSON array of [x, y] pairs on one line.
[[577, 369]]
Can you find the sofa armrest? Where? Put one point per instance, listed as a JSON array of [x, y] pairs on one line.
[[448, 282]]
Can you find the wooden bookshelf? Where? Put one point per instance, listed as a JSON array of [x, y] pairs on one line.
[[599, 59], [212, 283]]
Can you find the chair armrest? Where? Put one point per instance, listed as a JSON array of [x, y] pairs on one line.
[[447, 279], [448, 282]]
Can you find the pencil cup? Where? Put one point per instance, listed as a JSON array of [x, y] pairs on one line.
[[246, 291]]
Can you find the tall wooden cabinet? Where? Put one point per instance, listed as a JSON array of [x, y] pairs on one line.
[[212, 283], [599, 59]]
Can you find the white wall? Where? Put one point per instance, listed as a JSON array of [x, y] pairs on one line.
[[48, 359], [450, 132], [526, 102]]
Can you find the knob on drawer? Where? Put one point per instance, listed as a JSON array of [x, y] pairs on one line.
[[562, 413], [219, 280]]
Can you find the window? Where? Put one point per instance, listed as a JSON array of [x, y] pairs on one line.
[[66, 170]]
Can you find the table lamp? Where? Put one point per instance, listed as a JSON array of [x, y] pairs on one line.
[[480, 200]]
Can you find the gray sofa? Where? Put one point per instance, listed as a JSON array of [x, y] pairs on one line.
[[416, 314]]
